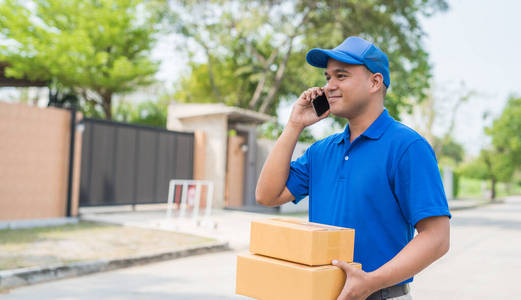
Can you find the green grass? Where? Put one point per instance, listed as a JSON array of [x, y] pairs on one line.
[[503, 189], [295, 215], [472, 188], [85, 241], [29, 235]]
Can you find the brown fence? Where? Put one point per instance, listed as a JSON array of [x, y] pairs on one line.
[[114, 163], [34, 162]]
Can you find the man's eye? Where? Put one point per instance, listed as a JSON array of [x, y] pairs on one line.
[[341, 76], [327, 78]]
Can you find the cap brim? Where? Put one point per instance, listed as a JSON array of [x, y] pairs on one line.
[[319, 57]]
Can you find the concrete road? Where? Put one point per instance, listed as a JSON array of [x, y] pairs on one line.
[[484, 263], [209, 276]]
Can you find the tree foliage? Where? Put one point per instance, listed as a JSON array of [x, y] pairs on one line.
[[506, 132], [272, 130], [95, 47], [489, 165], [252, 53], [503, 158], [449, 152], [150, 113]]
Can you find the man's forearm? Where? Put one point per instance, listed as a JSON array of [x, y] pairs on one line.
[[425, 248], [274, 174]]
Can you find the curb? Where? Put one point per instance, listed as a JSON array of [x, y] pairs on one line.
[[464, 207], [20, 224], [32, 275], [475, 204]]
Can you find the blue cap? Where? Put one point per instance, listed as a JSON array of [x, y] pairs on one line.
[[353, 50]]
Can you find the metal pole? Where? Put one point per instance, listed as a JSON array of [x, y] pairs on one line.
[[209, 200], [71, 160], [171, 192], [197, 201], [182, 205]]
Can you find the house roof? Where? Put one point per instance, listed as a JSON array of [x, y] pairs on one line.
[[235, 114]]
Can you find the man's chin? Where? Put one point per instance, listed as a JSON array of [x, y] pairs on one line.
[[336, 113]]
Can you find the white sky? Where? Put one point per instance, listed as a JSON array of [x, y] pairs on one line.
[[477, 42]]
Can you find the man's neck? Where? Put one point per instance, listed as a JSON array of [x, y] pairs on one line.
[[359, 124]]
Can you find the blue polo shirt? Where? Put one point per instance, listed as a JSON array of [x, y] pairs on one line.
[[381, 185]]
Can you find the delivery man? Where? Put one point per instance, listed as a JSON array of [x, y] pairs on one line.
[[379, 176]]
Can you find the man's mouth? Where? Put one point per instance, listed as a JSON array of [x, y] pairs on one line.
[[333, 98]]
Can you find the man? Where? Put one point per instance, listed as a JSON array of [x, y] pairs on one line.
[[379, 176]]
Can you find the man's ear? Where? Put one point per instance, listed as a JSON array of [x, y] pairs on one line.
[[377, 80]]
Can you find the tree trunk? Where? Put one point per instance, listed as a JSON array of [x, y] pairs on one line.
[[260, 85], [493, 189], [278, 79], [280, 72], [107, 104], [212, 78]]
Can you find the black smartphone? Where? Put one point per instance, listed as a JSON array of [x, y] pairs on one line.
[[320, 104]]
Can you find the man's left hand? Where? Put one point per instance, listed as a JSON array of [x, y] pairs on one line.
[[359, 284]]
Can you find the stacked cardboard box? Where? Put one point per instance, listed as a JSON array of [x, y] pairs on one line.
[[291, 259]]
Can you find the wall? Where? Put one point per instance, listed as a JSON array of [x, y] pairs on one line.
[[34, 161], [200, 163], [215, 128], [235, 176], [264, 147]]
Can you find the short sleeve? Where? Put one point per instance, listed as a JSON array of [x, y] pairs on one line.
[[417, 184], [298, 178]]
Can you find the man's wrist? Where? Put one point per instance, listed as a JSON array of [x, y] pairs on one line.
[[376, 281], [295, 126]]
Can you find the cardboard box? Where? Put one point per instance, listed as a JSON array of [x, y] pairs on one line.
[[302, 242], [268, 278]]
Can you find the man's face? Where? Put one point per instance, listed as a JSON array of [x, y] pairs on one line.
[[347, 88]]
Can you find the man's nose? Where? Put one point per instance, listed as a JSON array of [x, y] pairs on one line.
[[330, 87]]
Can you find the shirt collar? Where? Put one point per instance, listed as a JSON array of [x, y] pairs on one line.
[[374, 131], [344, 136]]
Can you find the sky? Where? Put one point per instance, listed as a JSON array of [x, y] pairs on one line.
[[477, 42]]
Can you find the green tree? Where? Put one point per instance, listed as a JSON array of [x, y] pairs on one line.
[[272, 131], [449, 152], [251, 53], [440, 109], [95, 47], [151, 113], [506, 132], [501, 161], [490, 165]]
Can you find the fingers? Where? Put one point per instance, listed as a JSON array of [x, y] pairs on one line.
[[343, 265], [315, 92], [311, 94]]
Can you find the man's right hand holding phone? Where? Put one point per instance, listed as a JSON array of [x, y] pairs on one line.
[[303, 113]]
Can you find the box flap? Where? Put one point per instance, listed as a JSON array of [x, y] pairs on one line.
[[304, 225]]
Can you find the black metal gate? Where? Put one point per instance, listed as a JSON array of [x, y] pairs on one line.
[[125, 163]]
